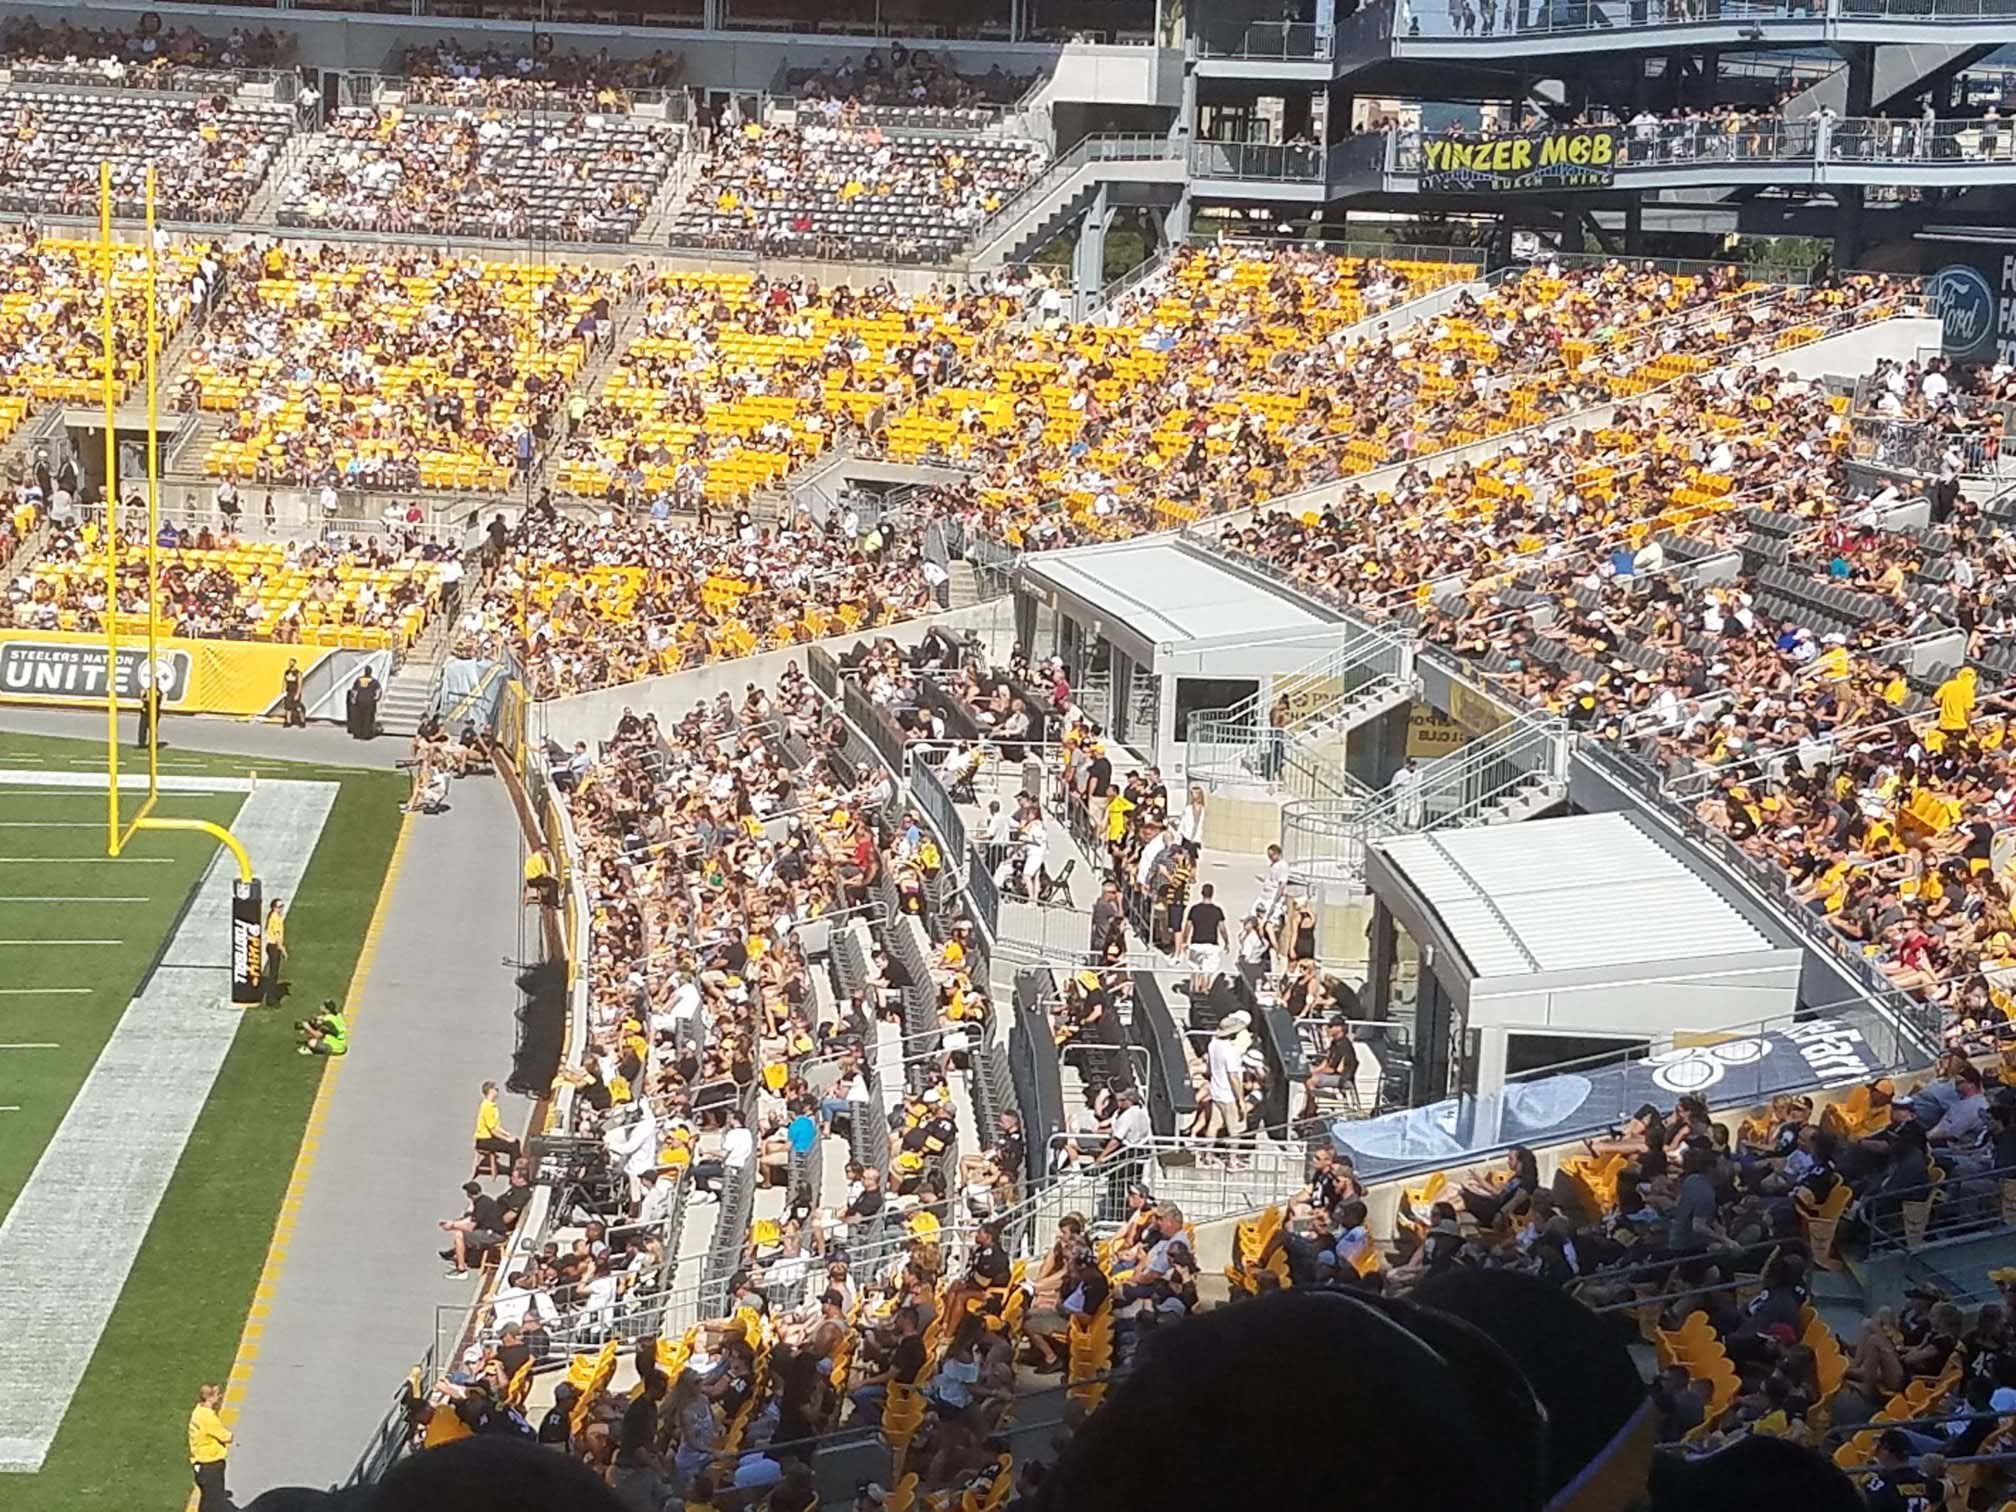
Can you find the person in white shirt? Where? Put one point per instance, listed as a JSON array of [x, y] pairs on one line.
[[738, 1143], [1190, 824], [631, 1138], [660, 1197], [1132, 1128], [1225, 1063], [1406, 797], [999, 828], [1274, 891], [517, 1300]]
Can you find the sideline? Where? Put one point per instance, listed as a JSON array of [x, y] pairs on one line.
[[304, 1160]]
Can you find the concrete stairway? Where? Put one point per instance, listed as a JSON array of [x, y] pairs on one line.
[[410, 689], [594, 372], [965, 585]]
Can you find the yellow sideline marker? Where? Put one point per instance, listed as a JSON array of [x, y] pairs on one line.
[[304, 1160]]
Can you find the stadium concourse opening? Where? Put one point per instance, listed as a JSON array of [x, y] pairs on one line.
[[1037, 705]]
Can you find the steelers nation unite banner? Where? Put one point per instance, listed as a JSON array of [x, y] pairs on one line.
[[194, 676], [1564, 157]]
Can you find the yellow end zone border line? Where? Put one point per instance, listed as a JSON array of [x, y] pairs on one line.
[[304, 1161]]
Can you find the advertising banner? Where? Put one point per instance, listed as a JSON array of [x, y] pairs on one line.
[[1977, 306], [1574, 1104], [248, 942], [194, 676], [1564, 157], [1430, 733]]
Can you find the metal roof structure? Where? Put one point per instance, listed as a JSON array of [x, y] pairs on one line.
[[1546, 924], [1160, 593]]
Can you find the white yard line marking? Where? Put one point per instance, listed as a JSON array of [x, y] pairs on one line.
[[68, 898], [97, 824], [86, 860], [142, 1099], [62, 942], [47, 991], [38, 1045], [11, 1108], [129, 782]]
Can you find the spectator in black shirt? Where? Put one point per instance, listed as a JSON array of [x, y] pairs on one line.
[[1900, 1486], [1335, 1067], [1098, 776], [512, 1200], [867, 1204], [553, 1428], [478, 1230], [1011, 1149], [1204, 939], [906, 1363], [512, 1351], [986, 1269]]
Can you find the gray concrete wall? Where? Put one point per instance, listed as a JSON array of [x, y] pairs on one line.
[[591, 716]]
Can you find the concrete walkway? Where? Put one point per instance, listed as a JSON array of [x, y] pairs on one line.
[[355, 1306], [357, 1300], [324, 743]]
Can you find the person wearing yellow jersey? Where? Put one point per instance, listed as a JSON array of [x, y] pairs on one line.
[[209, 1442], [491, 1138], [276, 953], [1955, 698], [541, 886]]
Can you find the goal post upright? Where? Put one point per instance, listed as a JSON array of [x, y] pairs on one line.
[[247, 948]]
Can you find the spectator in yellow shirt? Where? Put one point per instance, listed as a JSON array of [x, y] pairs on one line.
[[209, 1442], [541, 886], [491, 1140]]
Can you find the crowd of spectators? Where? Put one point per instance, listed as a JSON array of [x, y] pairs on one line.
[[1784, 703], [588, 604], [209, 152], [582, 177], [395, 370], [51, 316], [710, 847], [1162, 417], [490, 78], [818, 186], [730, 380], [213, 586], [909, 84], [148, 57]]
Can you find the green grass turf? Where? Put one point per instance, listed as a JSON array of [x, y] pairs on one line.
[[71, 863], [179, 1318]]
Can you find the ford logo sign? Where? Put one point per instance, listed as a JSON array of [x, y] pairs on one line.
[[1967, 310]]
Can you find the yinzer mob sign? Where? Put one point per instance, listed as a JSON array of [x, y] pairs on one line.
[[1576, 157]]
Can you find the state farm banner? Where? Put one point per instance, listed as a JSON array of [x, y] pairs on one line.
[[194, 676], [1561, 157]]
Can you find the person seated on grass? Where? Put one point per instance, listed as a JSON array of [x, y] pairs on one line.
[[477, 1231], [328, 1033]]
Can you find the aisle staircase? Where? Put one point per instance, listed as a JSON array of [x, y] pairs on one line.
[[1368, 674], [1518, 771], [409, 691]]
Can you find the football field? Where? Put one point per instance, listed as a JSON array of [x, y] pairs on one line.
[[147, 1128]]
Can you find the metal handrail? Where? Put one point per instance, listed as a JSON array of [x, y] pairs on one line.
[[1327, 842], [1098, 147], [1804, 21], [1238, 744], [1285, 41]]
